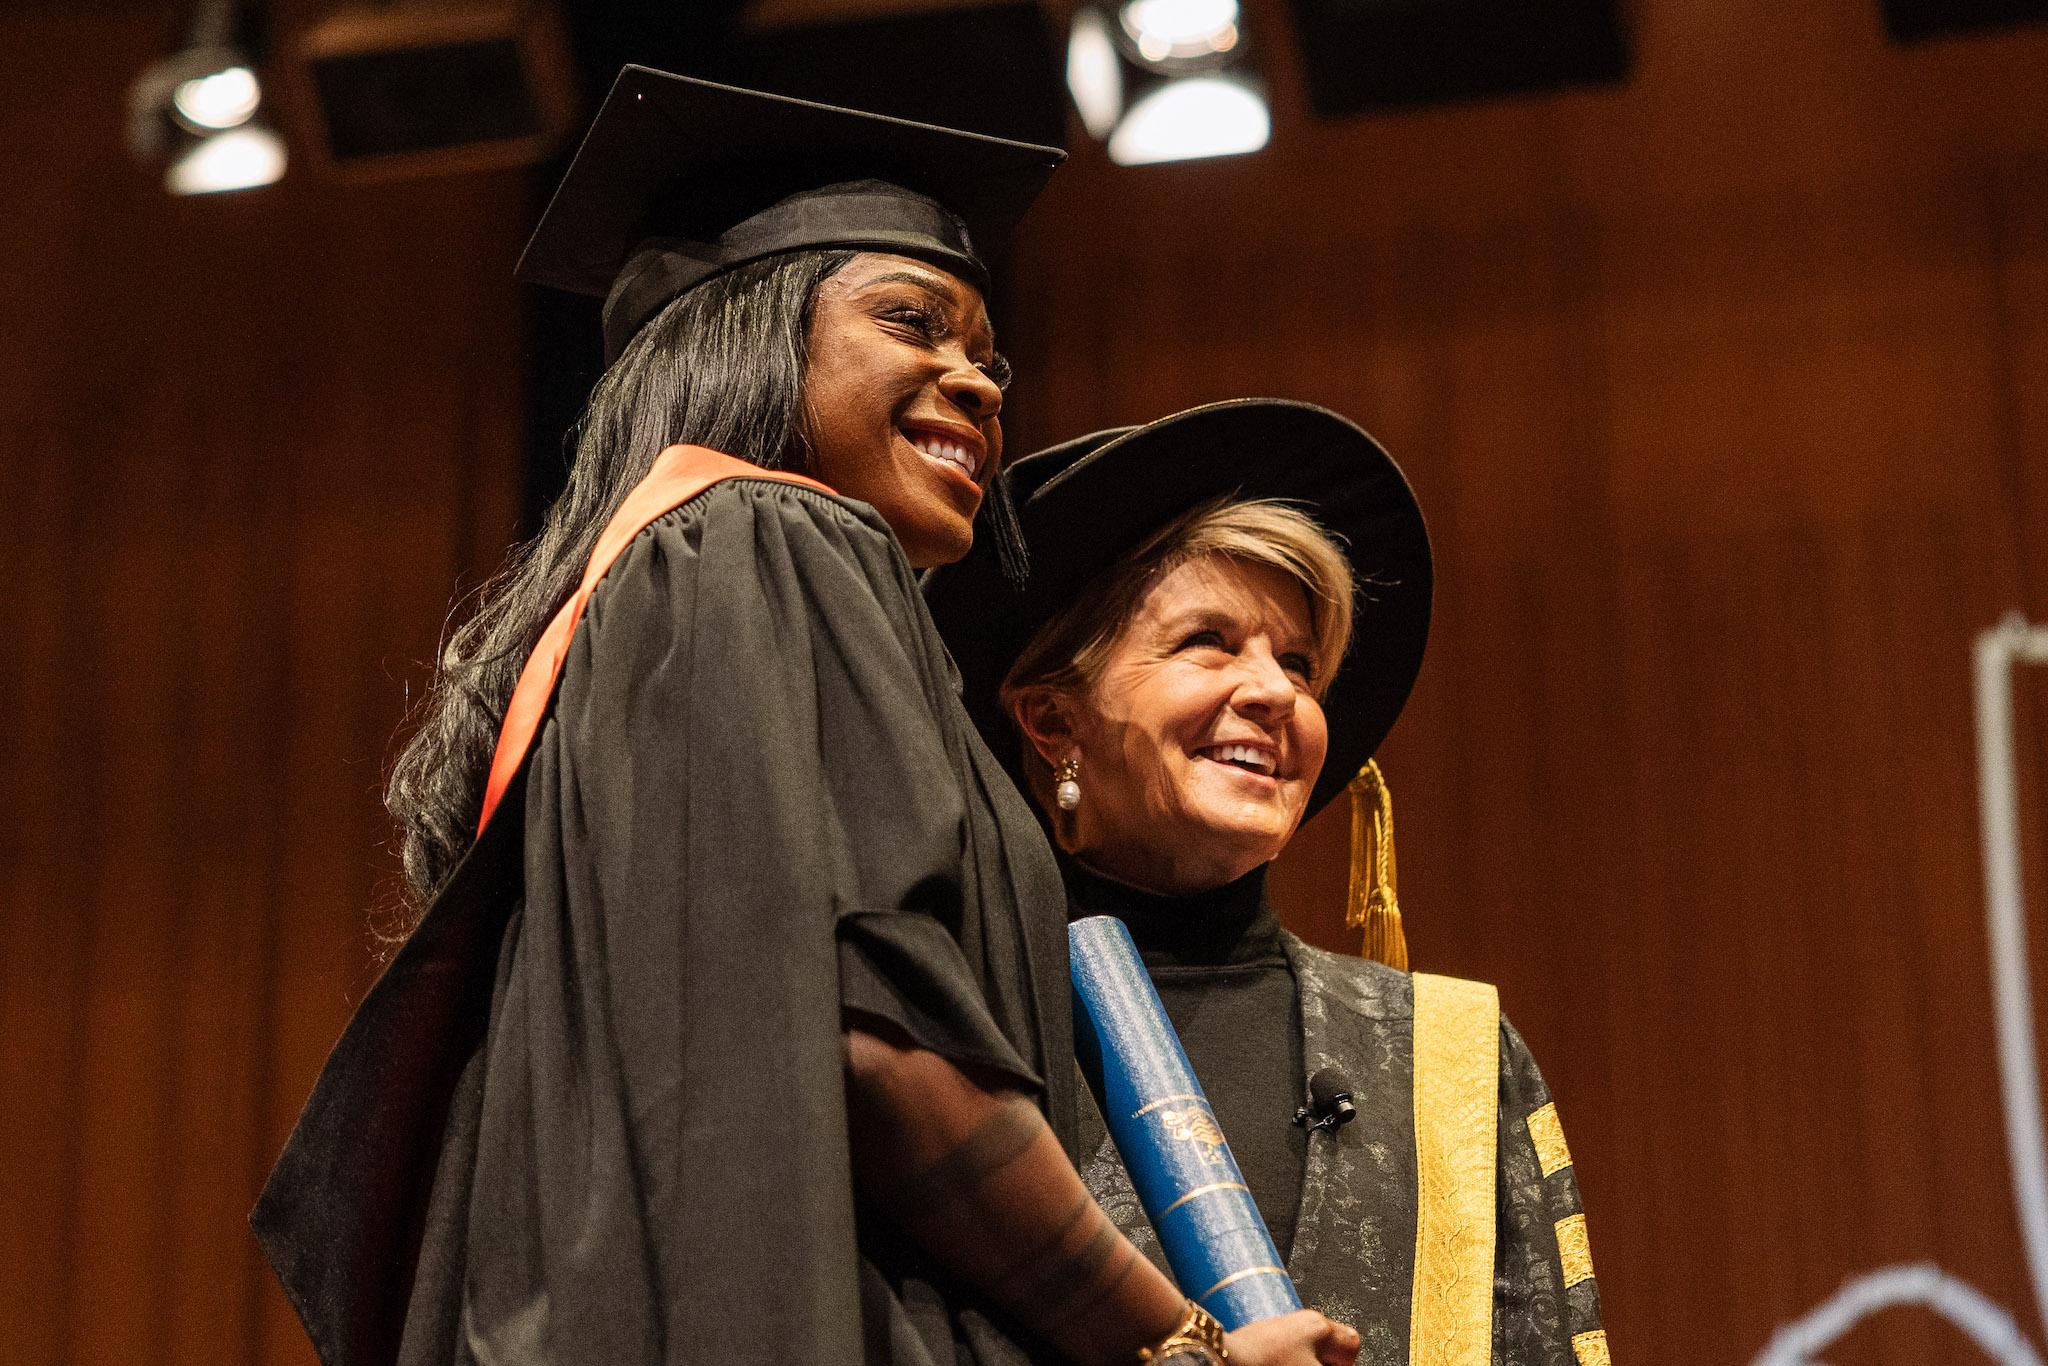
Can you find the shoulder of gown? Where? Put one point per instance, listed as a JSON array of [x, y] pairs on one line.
[[1360, 985], [1547, 1302]]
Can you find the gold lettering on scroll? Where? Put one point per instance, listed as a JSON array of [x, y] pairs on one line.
[[1200, 1191], [1195, 1126], [1234, 1277]]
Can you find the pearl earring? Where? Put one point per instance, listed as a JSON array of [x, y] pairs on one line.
[[1067, 775]]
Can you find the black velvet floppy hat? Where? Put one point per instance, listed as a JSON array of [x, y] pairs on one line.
[[681, 179], [1088, 502]]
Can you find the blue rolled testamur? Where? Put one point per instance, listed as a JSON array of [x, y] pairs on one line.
[[1188, 1182]]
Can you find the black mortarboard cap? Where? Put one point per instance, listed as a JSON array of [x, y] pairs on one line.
[[680, 179]]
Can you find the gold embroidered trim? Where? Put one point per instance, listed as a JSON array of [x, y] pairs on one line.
[[1234, 1277], [1574, 1253], [1591, 1348], [1548, 1136], [1457, 1122], [1205, 1190]]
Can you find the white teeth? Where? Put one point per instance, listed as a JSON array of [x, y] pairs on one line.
[[1255, 759], [950, 452]]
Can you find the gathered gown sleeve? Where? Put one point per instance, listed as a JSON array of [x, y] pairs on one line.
[[1546, 1300]]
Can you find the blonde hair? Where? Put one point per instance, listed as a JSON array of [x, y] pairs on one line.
[[1068, 652]]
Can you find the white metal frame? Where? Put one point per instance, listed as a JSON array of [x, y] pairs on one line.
[[1999, 650]]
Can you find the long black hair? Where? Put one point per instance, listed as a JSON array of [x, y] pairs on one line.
[[722, 366]]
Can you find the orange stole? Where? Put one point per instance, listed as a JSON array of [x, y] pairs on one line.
[[679, 474]]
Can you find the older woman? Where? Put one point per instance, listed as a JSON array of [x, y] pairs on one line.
[[1170, 691]]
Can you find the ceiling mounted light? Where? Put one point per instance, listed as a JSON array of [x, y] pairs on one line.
[[1095, 76], [197, 112], [237, 159], [1165, 33], [1197, 116], [1167, 80], [226, 98], [397, 90]]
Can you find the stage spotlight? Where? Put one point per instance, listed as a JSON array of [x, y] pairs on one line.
[[234, 159], [225, 99], [1167, 80], [198, 112], [1169, 32], [1095, 76], [1195, 116]]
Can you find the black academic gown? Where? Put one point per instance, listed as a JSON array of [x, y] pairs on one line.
[[1343, 1204], [594, 1113]]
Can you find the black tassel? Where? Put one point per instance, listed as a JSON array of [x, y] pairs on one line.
[[1001, 525]]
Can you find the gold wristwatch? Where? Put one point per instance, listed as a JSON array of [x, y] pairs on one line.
[[1198, 1341]]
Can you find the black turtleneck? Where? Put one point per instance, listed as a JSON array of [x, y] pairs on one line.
[[1218, 962]]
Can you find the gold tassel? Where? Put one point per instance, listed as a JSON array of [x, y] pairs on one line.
[[1372, 906]]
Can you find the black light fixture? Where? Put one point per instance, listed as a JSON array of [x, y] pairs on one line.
[[1361, 56], [988, 68], [1166, 80], [199, 112], [1911, 21], [408, 90]]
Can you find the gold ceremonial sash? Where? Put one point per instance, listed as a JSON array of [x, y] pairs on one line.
[[1457, 1119]]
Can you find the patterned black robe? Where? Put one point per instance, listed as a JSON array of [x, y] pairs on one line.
[[1353, 1253]]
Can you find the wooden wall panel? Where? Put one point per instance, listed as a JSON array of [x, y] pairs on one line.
[[255, 440], [1724, 394]]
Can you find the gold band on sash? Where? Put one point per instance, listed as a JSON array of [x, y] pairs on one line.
[[1574, 1253], [1457, 1117], [1548, 1137]]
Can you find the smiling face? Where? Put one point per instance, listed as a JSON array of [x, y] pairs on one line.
[[902, 397], [1200, 738]]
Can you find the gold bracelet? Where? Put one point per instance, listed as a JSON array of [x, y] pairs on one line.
[[1199, 1332]]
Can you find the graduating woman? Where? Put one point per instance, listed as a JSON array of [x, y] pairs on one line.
[[1176, 690], [735, 1027]]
